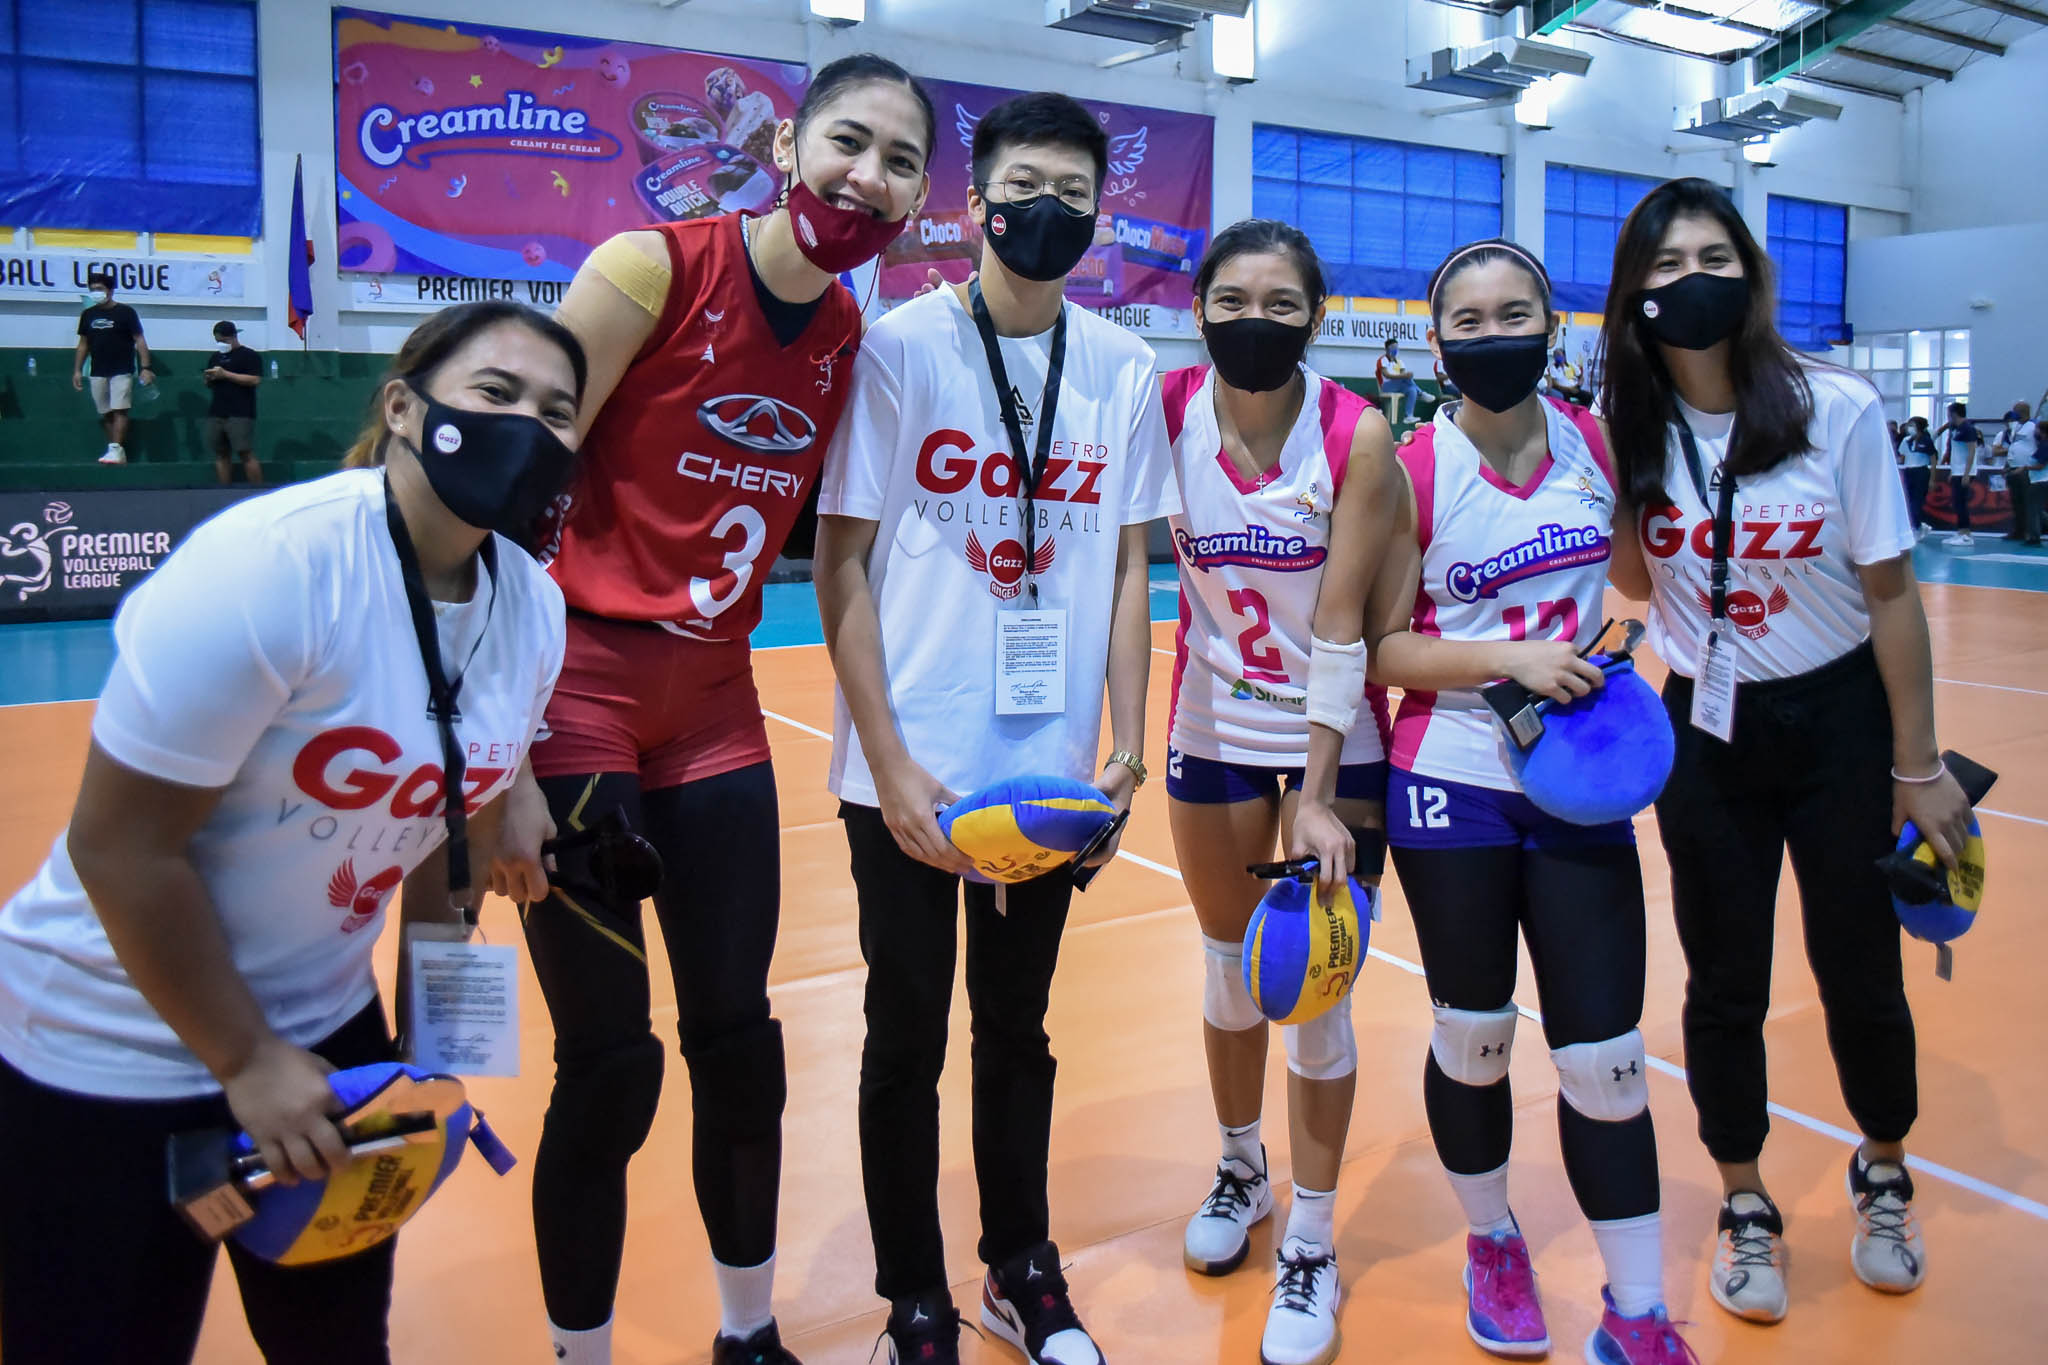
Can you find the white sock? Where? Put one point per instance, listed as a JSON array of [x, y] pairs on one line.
[[744, 1293], [1243, 1143], [1485, 1198], [1633, 1250], [593, 1347], [1314, 1217]]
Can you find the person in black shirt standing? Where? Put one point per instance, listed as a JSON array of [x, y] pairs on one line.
[[231, 410], [111, 334]]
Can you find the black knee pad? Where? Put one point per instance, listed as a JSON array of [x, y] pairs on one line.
[[604, 1100], [739, 1080]]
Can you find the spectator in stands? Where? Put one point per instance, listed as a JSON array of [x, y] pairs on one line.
[[1565, 379], [1396, 381], [1891, 428], [1446, 390], [1960, 441], [111, 334], [1916, 458], [2018, 447], [231, 409]]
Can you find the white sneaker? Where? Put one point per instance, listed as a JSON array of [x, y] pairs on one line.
[[1301, 1328], [1219, 1235], [1886, 1253], [1749, 1263], [1962, 538], [114, 455]]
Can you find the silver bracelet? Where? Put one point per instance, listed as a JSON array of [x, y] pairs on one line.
[[1940, 771]]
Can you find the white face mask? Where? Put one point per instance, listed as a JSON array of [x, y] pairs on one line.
[[223, 345], [102, 296]]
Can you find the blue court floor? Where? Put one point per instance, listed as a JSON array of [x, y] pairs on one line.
[[68, 660]]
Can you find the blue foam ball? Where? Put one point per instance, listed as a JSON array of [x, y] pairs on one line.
[[1603, 757]]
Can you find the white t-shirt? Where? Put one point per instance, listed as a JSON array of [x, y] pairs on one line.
[[272, 656], [1800, 532], [922, 451], [1911, 455]]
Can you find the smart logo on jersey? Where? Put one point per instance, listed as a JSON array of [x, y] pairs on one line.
[[1004, 565], [1548, 551], [1748, 611], [1254, 547]]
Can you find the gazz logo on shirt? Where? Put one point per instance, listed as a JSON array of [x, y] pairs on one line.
[[982, 489], [1254, 547], [1004, 565], [1551, 549], [1793, 536]]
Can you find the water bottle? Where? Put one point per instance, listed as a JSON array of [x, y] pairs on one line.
[[31, 367], [273, 369]]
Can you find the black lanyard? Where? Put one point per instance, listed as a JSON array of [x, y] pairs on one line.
[[442, 695], [1029, 471], [1724, 518]]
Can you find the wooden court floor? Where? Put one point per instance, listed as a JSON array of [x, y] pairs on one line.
[[1134, 1137]]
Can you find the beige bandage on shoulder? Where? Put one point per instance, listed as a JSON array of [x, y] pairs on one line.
[[632, 274]]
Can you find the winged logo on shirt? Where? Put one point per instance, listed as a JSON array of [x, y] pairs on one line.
[[1747, 610], [361, 901], [1004, 564]]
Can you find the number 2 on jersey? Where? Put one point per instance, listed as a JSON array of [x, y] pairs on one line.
[[1262, 663], [1564, 615], [739, 563]]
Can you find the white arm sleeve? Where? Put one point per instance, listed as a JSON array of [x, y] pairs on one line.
[[1336, 683], [210, 649]]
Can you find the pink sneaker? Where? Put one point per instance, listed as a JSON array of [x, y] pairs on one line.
[[1502, 1311], [1651, 1339]]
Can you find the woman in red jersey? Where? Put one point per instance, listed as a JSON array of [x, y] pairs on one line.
[[720, 354]]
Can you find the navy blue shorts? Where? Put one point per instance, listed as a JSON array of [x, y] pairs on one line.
[[1428, 812], [1213, 782]]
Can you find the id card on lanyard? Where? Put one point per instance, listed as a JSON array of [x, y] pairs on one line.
[[464, 996], [1031, 636], [1713, 691]]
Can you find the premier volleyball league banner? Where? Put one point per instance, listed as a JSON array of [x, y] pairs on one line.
[[1154, 220], [502, 153]]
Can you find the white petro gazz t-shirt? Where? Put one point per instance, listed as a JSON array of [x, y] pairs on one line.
[[922, 450], [1801, 530], [272, 656]]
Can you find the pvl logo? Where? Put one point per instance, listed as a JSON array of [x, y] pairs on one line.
[[756, 422]]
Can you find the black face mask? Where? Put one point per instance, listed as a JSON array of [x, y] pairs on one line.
[[1496, 372], [1039, 239], [1697, 311], [497, 471], [1256, 355]]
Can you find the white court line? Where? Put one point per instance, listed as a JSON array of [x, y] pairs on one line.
[[797, 724], [1995, 687], [1821, 1126], [2008, 815]]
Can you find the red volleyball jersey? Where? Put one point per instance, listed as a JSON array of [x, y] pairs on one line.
[[707, 450]]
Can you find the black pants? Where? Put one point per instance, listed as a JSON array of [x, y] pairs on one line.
[[2026, 499], [1809, 770], [1916, 492], [1959, 498], [96, 1267], [719, 840], [1581, 911], [909, 935]]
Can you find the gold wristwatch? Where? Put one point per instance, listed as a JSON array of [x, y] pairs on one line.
[[1131, 761]]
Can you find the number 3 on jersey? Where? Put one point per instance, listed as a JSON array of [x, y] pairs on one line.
[[738, 564]]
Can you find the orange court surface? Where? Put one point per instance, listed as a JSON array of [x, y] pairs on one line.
[[1134, 1137]]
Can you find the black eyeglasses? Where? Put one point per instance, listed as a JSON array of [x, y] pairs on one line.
[[626, 866]]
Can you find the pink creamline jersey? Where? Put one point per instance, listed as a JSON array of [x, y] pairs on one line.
[[1251, 556], [1500, 563]]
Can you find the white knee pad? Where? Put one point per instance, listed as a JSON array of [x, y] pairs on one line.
[[1609, 1080], [1472, 1046], [1326, 1047], [1225, 1001]]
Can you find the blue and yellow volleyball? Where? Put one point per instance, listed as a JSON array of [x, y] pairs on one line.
[[1024, 827], [1935, 921], [1301, 956]]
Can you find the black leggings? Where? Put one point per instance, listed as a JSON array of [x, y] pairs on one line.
[[1809, 770], [96, 1267], [1581, 911], [909, 936], [719, 840]]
